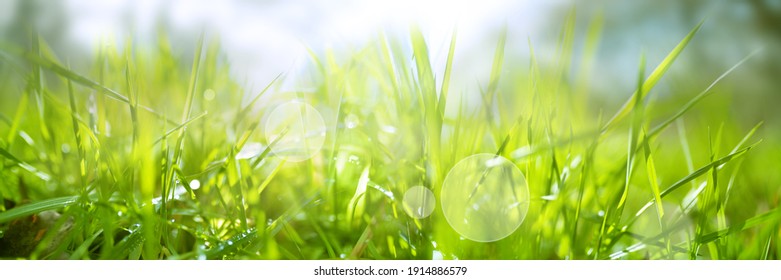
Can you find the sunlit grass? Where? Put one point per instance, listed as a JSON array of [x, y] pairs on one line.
[[150, 155]]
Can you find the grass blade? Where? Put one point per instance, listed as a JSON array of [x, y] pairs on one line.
[[655, 76], [37, 207]]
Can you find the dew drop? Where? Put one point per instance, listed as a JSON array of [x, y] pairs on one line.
[[195, 184], [351, 121], [296, 129], [485, 197]]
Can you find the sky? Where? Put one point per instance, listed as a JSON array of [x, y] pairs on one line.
[[264, 38]]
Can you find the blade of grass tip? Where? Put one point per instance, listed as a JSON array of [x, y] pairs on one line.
[[21, 111], [730, 184], [722, 217], [268, 148], [686, 150], [651, 81], [389, 64], [168, 184], [38, 86], [493, 81], [699, 172], [484, 175], [423, 67], [428, 93], [496, 68], [193, 80], [446, 78], [270, 177], [746, 137], [244, 111], [565, 49], [708, 202], [593, 35], [457, 130], [78, 137], [181, 126], [653, 180], [353, 207], [634, 132], [657, 129]]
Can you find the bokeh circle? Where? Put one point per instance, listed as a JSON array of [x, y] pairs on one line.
[[419, 202], [485, 197], [295, 131]]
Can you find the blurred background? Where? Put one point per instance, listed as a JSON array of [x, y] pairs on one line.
[[258, 40], [261, 39]]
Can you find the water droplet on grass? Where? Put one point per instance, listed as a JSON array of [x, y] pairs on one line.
[[297, 129], [66, 148], [485, 197], [351, 121], [419, 202], [195, 184]]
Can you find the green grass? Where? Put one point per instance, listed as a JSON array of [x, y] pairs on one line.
[[117, 147]]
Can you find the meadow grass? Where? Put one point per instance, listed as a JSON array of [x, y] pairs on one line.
[[150, 155]]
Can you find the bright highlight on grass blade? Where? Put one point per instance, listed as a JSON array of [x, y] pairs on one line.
[[299, 130], [419, 202], [485, 197], [675, 229]]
